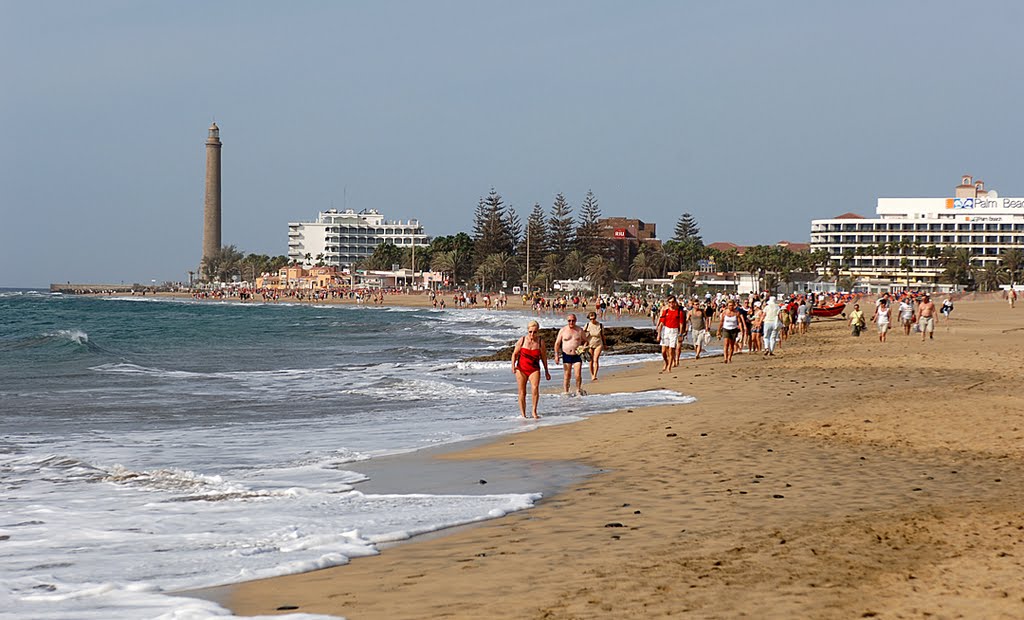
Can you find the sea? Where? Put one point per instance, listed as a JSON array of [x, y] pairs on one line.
[[150, 446]]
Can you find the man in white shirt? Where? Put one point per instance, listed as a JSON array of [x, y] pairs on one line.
[[771, 325]]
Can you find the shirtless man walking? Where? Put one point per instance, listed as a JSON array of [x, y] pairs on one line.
[[570, 338], [926, 317]]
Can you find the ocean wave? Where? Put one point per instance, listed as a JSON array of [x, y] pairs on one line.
[[412, 389], [73, 335], [188, 485], [70, 338], [129, 368], [50, 468]]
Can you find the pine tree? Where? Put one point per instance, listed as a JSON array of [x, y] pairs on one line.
[[560, 226], [513, 228], [687, 229], [536, 233], [491, 232], [588, 234]]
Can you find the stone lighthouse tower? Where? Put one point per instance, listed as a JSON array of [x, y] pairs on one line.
[[211, 211]]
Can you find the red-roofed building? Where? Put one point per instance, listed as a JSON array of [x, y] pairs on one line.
[[725, 246]]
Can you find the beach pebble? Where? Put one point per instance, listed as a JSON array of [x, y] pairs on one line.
[[287, 607], [636, 512], [777, 496], [614, 525], [670, 434], [482, 481]]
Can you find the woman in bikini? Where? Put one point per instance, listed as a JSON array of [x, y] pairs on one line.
[[527, 358], [595, 342]]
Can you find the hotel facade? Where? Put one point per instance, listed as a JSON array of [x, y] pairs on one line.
[[913, 231], [343, 237]]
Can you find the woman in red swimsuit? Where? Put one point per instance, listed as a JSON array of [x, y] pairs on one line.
[[527, 358]]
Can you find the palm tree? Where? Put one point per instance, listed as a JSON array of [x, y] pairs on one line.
[[958, 265], [551, 269], [1013, 260], [601, 272], [488, 271], [222, 265], [453, 262], [572, 267], [992, 277], [500, 265], [665, 260], [643, 266], [848, 255]]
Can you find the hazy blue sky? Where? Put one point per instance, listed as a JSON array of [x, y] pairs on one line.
[[754, 116]]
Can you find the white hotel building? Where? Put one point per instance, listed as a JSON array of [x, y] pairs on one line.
[[975, 218], [344, 237]]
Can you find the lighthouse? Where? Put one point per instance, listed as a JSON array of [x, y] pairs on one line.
[[211, 210]]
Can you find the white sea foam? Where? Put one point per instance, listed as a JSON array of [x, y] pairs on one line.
[[74, 335], [167, 474]]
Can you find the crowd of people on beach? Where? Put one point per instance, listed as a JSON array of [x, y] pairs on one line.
[[757, 323], [915, 311]]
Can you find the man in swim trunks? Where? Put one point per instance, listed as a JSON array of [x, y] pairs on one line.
[[567, 352], [927, 317]]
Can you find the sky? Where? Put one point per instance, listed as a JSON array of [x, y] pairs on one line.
[[756, 117]]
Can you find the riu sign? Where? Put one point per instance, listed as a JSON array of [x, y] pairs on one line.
[[620, 233]]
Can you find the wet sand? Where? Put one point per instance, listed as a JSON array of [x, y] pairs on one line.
[[842, 478]]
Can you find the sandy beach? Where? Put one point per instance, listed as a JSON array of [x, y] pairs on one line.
[[842, 478]]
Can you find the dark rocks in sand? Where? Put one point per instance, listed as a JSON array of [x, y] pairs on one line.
[[614, 525], [618, 340]]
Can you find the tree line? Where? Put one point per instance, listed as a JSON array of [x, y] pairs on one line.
[[555, 244]]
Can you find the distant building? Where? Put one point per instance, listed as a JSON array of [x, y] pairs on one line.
[[296, 277], [340, 238], [913, 231], [625, 237], [726, 246]]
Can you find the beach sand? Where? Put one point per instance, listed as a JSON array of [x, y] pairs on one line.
[[842, 478]]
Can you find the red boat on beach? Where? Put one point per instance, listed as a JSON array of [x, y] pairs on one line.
[[828, 311]]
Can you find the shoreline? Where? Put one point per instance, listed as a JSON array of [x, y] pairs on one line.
[[836, 479]]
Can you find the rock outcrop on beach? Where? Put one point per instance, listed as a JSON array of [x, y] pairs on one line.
[[618, 340]]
